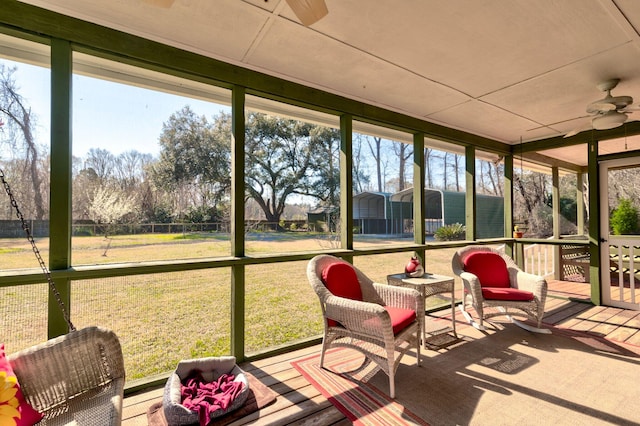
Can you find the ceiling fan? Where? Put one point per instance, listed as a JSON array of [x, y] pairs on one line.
[[308, 11], [606, 113]]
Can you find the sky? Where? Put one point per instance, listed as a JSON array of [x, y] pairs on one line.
[[106, 115], [120, 118]]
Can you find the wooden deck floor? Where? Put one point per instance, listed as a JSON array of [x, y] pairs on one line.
[[300, 403]]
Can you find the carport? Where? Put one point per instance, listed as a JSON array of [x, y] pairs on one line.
[[448, 207], [375, 213]]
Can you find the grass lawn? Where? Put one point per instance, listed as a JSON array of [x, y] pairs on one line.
[[163, 318]]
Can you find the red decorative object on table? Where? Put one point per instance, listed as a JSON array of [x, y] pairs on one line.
[[414, 268]]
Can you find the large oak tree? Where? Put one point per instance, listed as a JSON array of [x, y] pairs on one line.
[[286, 157]]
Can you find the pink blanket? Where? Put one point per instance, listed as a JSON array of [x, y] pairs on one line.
[[208, 397]]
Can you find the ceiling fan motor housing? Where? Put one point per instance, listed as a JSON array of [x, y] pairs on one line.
[[609, 111], [608, 120]]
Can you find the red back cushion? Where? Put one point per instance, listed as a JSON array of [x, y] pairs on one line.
[[341, 280], [490, 268], [12, 404]]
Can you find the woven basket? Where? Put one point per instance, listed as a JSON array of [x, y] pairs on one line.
[[214, 367]]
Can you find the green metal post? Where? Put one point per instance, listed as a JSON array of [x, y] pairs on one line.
[[60, 198], [237, 221], [508, 203], [580, 203], [418, 193], [346, 183], [555, 214], [594, 225], [555, 196], [470, 201]]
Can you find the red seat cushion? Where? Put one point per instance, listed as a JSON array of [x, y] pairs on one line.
[[501, 293], [400, 318], [490, 268], [341, 280]]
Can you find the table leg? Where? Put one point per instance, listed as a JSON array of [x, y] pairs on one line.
[[453, 312]]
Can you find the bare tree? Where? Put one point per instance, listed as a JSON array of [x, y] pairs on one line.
[[20, 128], [85, 184], [456, 170], [130, 167], [360, 179], [376, 152], [489, 177], [445, 175], [403, 152], [428, 172], [102, 162]]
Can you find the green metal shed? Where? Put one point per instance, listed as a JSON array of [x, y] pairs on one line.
[[374, 213], [448, 207], [323, 218]]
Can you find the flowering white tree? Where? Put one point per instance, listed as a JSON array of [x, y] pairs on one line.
[[110, 206]]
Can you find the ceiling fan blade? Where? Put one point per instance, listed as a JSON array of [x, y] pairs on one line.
[[160, 3], [600, 107], [572, 133], [577, 130], [309, 11]]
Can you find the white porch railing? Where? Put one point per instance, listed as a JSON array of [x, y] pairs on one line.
[[538, 259]]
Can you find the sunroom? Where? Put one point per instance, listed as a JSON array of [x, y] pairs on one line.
[[510, 100]]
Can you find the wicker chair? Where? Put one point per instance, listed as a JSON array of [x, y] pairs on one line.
[[77, 378], [367, 325], [497, 287]]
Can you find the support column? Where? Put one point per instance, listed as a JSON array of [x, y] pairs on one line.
[[594, 225], [470, 186], [555, 214], [508, 203], [346, 183], [60, 178], [580, 207], [418, 193], [237, 220]]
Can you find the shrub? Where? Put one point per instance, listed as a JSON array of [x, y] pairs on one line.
[[451, 232], [624, 219], [202, 214], [83, 231]]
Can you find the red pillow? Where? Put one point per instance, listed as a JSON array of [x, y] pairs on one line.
[[13, 406], [341, 280], [490, 268]]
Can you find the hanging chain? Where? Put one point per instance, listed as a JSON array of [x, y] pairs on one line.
[[45, 270]]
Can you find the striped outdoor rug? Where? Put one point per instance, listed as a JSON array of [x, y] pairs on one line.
[[360, 402], [505, 375]]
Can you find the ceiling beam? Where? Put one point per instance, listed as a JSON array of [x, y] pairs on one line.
[[631, 128]]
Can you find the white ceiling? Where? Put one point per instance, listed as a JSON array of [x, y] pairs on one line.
[[504, 69]]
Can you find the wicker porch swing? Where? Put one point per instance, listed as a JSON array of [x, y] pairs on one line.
[[77, 378]]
